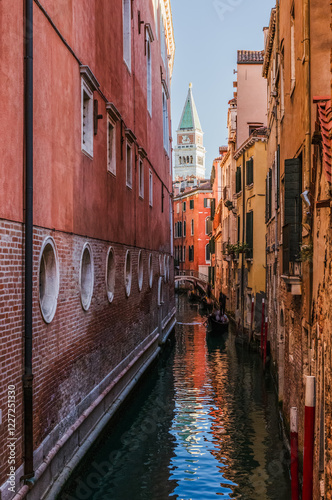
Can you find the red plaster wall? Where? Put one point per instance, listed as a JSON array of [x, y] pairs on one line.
[[77, 200]]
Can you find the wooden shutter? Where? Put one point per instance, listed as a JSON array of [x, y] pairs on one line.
[[293, 205], [213, 208], [250, 171], [250, 233]]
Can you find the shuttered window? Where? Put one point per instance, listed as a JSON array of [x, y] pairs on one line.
[[250, 234], [191, 204], [213, 208], [238, 179], [293, 212], [191, 253], [268, 198], [250, 171]]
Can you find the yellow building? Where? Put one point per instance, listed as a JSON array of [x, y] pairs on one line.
[[251, 168]]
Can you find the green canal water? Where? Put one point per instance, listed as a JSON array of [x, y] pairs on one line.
[[203, 424]]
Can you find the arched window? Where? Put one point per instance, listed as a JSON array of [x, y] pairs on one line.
[[187, 159], [180, 160], [191, 160]]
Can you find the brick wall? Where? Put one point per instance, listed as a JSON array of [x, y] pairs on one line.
[[78, 349], [11, 327]]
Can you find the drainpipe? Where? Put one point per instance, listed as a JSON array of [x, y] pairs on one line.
[[307, 117], [243, 232], [28, 376]]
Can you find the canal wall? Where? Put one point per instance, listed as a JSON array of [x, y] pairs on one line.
[[60, 451]]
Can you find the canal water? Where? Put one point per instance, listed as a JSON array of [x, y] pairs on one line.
[[202, 425]]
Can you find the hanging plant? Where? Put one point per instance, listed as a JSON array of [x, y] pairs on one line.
[[306, 253]]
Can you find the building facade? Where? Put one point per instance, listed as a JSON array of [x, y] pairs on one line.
[[102, 292], [192, 227], [250, 248], [297, 70]]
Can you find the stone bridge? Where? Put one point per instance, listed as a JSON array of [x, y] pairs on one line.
[[192, 277]]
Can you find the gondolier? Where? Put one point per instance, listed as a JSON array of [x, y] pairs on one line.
[[222, 303]]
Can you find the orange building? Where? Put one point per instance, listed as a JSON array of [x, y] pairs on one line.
[[192, 225]]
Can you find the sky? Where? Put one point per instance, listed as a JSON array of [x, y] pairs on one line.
[[208, 34]]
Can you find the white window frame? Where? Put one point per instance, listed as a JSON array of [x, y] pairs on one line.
[[148, 73], [126, 20], [129, 178], [165, 122], [141, 178], [293, 67], [86, 119], [111, 151], [150, 188]]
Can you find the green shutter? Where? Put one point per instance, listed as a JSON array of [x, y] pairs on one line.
[[249, 171], [270, 194], [191, 204], [238, 229], [293, 206], [238, 179], [250, 234], [213, 208]]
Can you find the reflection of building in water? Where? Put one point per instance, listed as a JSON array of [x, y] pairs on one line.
[[242, 443]]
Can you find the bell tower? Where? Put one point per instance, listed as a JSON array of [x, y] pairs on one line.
[[189, 153]]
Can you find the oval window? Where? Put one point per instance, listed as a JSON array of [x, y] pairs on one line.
[[165, 269], [128, 273], [48, 280], [140, 270], [160, 292], [86, 277], [150, 270], [110, 274]]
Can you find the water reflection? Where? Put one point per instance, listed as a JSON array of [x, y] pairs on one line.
[[203, 426]]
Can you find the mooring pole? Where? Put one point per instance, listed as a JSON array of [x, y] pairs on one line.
[[252, 318], [262, 325], [265, 340], [309, 437], [294, 453]]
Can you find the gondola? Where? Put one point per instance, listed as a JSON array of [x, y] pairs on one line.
[[193, 296], [218, 327]]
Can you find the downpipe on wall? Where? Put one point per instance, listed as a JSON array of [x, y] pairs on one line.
[[28, 375]]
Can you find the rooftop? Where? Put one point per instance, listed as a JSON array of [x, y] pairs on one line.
[[189, 119], [250, 56], [324, 121]]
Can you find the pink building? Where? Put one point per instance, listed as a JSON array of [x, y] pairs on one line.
[[251, 94], [98, 302]]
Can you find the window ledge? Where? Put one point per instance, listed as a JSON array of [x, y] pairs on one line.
[[87, 154], [293, 84], [294, 284]]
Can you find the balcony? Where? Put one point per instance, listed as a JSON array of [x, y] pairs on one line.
[[292, 267]]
